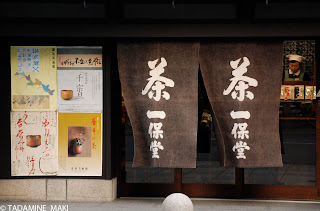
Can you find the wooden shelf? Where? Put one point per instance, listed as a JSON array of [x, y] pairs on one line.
[[297, 118], [296, 101], [306, 83]]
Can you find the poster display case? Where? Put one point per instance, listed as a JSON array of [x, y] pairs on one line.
[[56, 105]]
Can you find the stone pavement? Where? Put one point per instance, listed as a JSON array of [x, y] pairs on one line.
[[152, 204]]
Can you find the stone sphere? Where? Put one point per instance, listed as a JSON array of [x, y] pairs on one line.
[[177, 202]]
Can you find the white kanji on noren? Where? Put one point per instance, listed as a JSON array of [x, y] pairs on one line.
[[240, 147], [242, 133], [155, 130], [239, 82], [156, 114], [154, 147], [240, 114], [157, 83]]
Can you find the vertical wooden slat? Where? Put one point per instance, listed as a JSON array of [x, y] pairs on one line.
[[318, 147], [317, 123], [239, 181], [177, 180]]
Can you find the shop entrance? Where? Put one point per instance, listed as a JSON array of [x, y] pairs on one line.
[[297, 179]]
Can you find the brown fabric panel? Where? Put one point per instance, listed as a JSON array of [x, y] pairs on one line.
[[180, 124], [263, 125]]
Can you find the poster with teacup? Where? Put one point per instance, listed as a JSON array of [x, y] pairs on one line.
[[34, 143], [79, 72], [33, 78]]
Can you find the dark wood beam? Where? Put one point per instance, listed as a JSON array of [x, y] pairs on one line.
[[159, 30]]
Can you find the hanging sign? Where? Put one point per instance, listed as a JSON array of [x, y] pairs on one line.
[[243, 82], [160, 89]]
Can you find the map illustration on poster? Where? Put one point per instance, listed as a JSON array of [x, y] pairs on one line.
[[33, 78]]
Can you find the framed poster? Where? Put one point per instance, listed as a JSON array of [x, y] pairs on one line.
[[34, 143], [80, 144], [33, 78], [80, 79]]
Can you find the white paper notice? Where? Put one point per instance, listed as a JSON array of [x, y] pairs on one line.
[[79, 71], [80, 90], [34, 143]]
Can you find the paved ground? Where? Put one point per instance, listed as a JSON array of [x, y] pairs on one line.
[[152, 204]]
